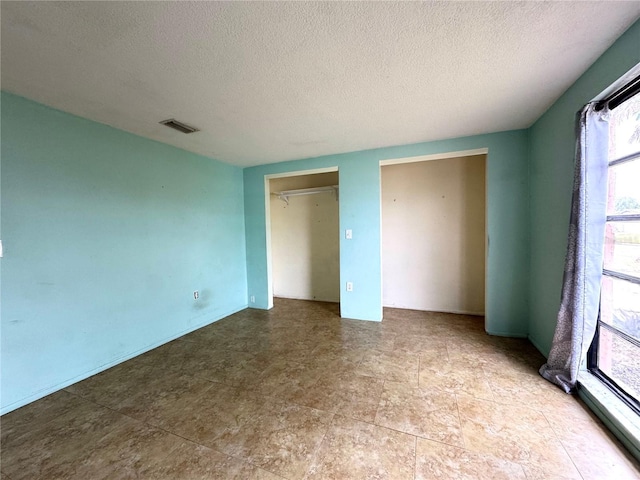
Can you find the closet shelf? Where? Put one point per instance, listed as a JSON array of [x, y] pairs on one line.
[[285, 194]]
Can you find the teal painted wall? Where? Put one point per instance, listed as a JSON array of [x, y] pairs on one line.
[[359, 172], [552, 144], [106, 236]]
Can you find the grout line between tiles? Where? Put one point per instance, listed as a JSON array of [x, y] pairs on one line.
[[415, 458], [464, 442], [314, 455], [402, 432], [384, 385], [446, 346], [564, 448]]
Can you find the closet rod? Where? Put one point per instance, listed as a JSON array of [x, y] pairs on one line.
[[285, 194]]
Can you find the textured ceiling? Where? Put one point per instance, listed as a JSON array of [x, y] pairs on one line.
[[266, 82]]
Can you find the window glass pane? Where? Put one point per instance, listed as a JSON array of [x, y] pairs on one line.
[[622, 247], [620, 305], [624, 129], [619, 359], [624, 188], [618, 356]]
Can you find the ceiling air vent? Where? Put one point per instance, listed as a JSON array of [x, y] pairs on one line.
[[181, 127]]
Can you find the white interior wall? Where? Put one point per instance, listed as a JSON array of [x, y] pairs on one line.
[[433, 235], [305, 242]]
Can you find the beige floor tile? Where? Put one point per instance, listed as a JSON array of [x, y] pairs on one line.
[[230, 367], [53, 449], [497, 355], [351, 395], [301, 338], [393, 366], [453, 376], [357, 337], [204, 416], [538, 473], [286, 380], [23, 420], [436, 460], [514, 433], [282, 441], [420, 343], [331, 351], [160, 394], [131, 449], [330, 365], [593, 449], [472, 349], [198, 357], [431, 414], [357, 450], [527, 389], [291, 353], [195, 462]]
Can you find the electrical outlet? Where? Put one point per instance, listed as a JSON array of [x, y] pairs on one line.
[[349, 286], [252, 298], [196, 295], [348, 234]]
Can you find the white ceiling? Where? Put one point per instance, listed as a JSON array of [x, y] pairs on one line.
[[267, 82]]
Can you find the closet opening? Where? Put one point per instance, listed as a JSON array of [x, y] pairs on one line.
[[434, 239], [303, 231]]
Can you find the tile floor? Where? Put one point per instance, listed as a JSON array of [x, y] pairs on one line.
[[297, 392]]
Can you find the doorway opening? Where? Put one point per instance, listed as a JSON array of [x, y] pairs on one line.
[[434, 235], [303, 233]]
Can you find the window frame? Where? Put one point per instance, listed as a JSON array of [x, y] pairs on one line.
[[592, 355]]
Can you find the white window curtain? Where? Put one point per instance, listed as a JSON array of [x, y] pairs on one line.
[[579, 307]]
